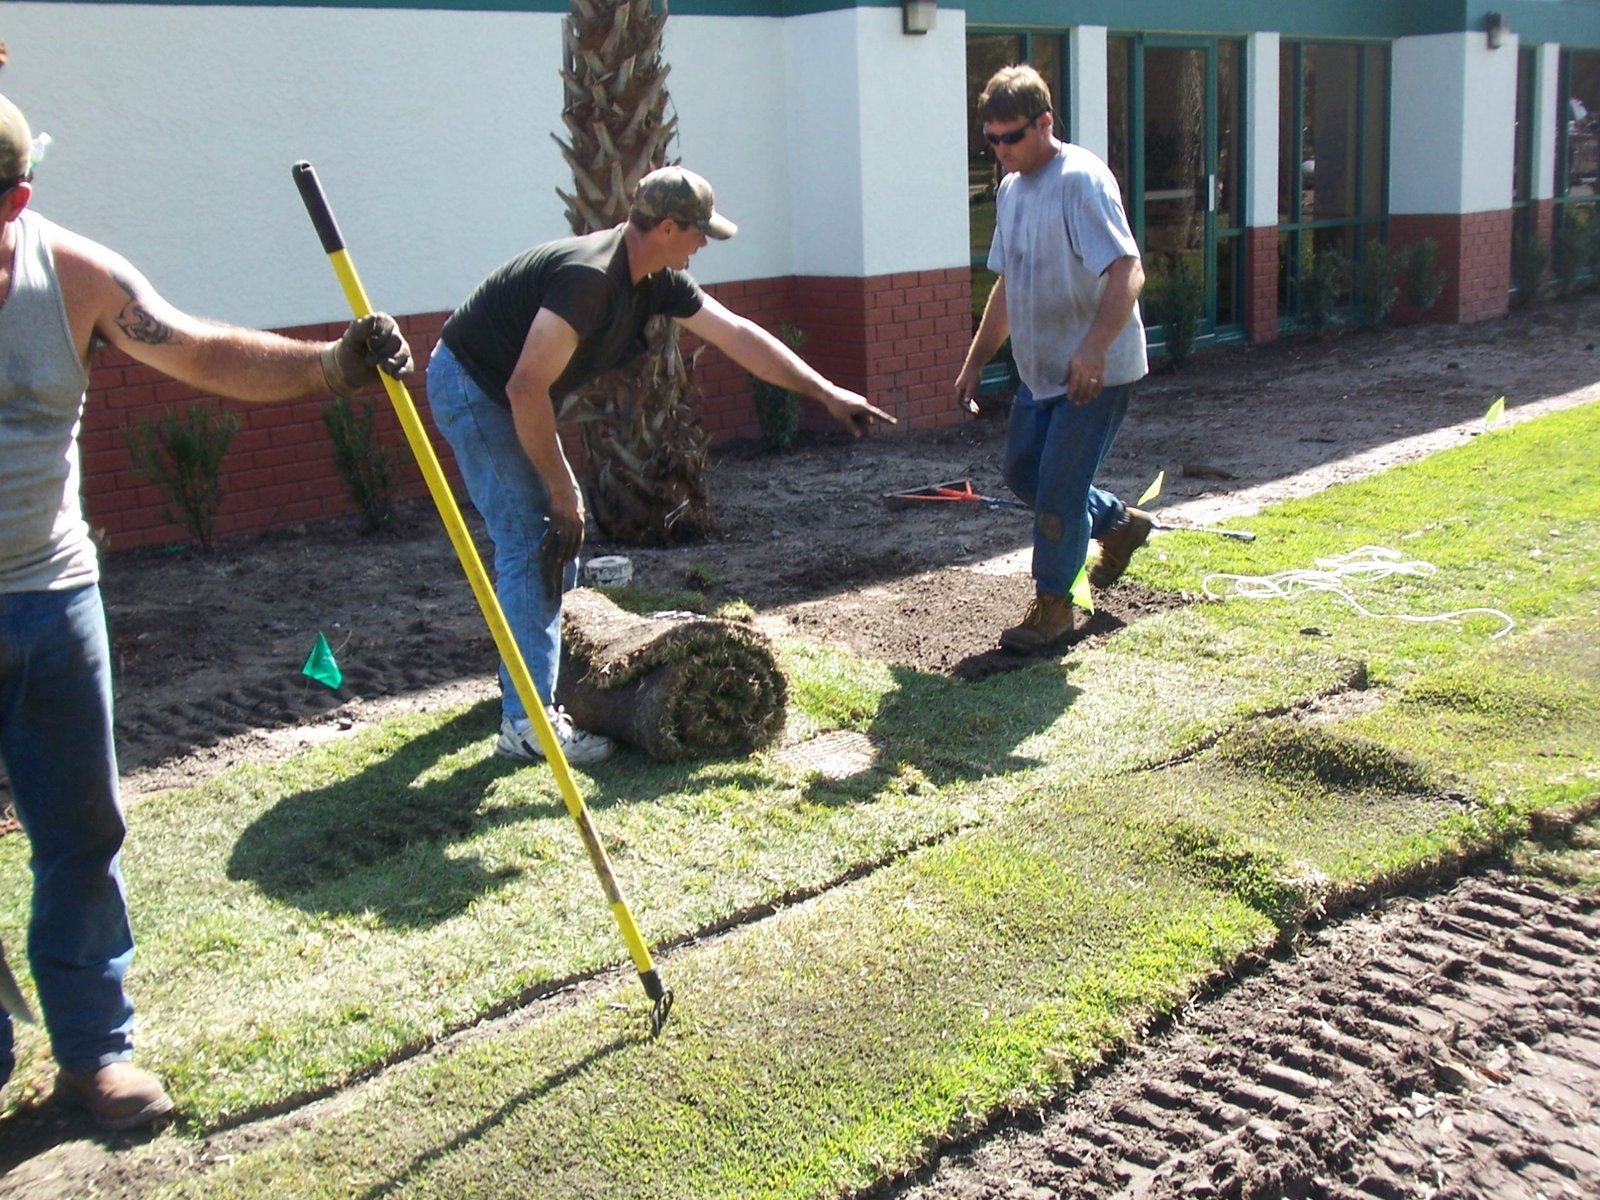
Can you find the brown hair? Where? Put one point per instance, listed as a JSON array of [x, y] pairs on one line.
[[1013, 93]]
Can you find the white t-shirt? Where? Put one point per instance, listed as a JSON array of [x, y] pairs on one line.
[[1056, 232]]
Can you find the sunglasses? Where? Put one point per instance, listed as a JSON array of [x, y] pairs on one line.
[[27, 178], [1016, 135]]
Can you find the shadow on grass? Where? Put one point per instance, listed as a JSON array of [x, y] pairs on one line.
[[374, 841], [400, 1182], [949, 732], [379, 841]]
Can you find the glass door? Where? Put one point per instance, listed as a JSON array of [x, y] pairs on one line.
[[1176, 150]]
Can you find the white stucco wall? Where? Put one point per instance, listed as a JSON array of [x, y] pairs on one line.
[[1452, 124], [175, 129], [877, 143], [1261, 130], [1546, 76], [1087, 99]]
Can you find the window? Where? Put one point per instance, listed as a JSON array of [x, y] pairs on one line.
[[1332, 157]]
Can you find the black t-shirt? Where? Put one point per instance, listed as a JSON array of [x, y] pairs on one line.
[[587, 283]]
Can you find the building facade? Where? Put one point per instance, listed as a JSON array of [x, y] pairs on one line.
[[1249, 138]]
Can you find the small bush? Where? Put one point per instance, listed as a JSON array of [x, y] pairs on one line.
[[1377, 283], [1421, 282], [366, 467], [1530, 258], [1321, 286], [1591, 248], [183, 457], [1177, 305], [1566, 257], [778, 409]]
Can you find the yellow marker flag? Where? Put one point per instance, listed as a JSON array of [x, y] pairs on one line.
[[1081, 595], [1154, 490], [1497, 410]]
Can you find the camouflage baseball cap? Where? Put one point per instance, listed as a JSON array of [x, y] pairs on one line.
[[685, 197], [16, 143]]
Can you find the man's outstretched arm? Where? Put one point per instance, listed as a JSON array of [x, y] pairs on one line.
[[107, 297]]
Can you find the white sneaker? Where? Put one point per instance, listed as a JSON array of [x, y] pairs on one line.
[[580, 748]]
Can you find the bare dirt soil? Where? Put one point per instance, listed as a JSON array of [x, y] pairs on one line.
[[1444, 1046], [208, 651], [208, 655]]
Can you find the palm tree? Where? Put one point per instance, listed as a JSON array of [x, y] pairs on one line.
[[645, 449]]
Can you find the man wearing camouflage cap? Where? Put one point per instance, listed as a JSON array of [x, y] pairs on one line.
[[537, 329], [60, 294]]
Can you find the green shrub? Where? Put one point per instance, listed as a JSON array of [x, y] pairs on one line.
[[366, 467], [1321, 285], [1421, 282], [183, 457], [1569, 254], [1377, 283], [1177, 304], [777, 408], [1530, 258], [1591, 248]]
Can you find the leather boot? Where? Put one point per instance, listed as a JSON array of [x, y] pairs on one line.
[[1117, 547], [1046, 626], [119, 1095]]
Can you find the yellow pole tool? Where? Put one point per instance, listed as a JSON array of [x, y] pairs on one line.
[[305, 178]]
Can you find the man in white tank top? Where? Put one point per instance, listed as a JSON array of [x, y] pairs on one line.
[[59, 294], [1067, 294]]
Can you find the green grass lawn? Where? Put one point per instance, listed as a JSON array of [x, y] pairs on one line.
[[1007, 895]]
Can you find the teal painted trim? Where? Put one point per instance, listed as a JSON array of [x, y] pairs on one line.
[[1571, 22], [693, 8], [687, 8], [1574, 23]]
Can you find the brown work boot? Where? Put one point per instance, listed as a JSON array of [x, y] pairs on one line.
[[1117, 547], [1046, 626], [119, 1096]]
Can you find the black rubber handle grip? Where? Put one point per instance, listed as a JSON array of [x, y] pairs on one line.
[[305, 178]]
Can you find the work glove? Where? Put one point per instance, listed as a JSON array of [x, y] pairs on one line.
[[371, 343], [563, 538]]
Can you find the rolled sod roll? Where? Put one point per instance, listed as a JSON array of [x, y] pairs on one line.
[[677, 685]]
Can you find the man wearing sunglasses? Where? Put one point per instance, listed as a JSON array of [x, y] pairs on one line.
[[1067, 292], [60, 296]]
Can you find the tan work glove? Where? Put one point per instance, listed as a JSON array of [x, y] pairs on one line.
[[371, 343]]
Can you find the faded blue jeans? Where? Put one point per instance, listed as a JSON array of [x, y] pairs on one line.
[[56, 740], [513, 502], [1053, 450]]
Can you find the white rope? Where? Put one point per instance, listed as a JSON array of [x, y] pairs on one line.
[[1369, 562]]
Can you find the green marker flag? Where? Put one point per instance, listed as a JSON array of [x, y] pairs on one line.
[[320, 665], [1496, 411], [1154, 490], [1081, 595]]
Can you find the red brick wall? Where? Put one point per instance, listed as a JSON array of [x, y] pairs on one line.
[[1261, 283], [279, 468], [899, 339], [1475, 254]]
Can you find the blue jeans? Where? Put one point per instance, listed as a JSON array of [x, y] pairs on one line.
[[513, 501], [56, 740], [1053, 450]]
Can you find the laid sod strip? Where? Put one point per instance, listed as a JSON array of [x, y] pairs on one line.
[[303, 923], [1511, 520], [848, 1034], [812, 1050], [1517, 723]]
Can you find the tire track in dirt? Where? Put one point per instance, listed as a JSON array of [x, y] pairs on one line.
[[1447, 1046]]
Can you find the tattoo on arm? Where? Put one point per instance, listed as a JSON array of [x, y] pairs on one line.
[[135, 320]]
